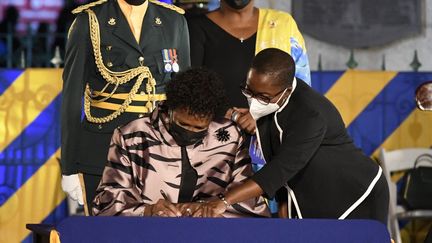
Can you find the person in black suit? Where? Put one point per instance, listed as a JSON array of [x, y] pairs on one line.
[[307, 151], [119, 56]]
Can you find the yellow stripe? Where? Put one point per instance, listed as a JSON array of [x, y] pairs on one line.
[[33, 202], [138, 97], [355, 90], [415, 131], [114, 107], [25, 99]]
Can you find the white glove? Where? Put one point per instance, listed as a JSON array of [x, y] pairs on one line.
[[72, 187]]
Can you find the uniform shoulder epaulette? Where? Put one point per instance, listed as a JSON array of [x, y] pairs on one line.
[[87, 6], [169, 6]]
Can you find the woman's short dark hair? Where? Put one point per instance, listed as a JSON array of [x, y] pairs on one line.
[[276, 63], [199, 90]]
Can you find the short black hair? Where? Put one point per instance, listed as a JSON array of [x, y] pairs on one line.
[[197, 89], [276, 63]]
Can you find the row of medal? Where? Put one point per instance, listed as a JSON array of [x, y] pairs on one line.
[[170, 60]]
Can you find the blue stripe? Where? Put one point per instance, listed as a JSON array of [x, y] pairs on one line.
[[7, 77], [57, 215], [387, 111], [323, 81], [30, 150]]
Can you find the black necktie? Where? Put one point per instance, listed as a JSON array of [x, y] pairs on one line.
[[189, 178]]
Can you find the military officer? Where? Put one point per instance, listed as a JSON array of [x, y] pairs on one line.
[[119, 56]]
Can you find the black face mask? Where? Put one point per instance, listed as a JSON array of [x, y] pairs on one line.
[[135, 2], [184, 137], [237, 4]]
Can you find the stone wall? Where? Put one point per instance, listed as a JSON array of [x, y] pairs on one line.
[[398, 54]]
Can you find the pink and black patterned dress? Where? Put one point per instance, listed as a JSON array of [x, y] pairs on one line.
[[144, 159]]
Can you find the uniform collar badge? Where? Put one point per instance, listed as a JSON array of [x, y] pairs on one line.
[[158, 21], [112, 21]]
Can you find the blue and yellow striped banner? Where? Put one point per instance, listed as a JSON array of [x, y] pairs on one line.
[[377, 107], [29, 151]]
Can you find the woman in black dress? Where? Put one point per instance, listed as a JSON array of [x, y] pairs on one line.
[[226, 40]]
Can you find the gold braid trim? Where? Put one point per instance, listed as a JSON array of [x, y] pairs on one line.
[[71, 28], [87, 6], [115, 78], [169, 6]]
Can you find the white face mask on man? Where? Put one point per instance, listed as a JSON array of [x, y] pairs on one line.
[[258, 110]]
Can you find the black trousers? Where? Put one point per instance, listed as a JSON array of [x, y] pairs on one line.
[[375, 206], [91, 183]]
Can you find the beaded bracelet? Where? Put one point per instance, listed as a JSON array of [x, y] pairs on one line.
[[222, 198]]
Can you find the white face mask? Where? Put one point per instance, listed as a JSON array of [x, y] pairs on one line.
[[258, 110]]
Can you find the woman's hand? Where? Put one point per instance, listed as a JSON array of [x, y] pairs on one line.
[[229, 113], [193, 209], [245, 120], [242, 118], [199, 210], [162, 208], [213, 209]]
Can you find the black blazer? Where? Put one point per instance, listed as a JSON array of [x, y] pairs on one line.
[[316, 157], [85, 144]]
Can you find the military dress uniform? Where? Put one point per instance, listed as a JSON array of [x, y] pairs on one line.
[[110, 78]]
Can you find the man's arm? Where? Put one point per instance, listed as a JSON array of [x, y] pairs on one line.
[[78, 53]]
